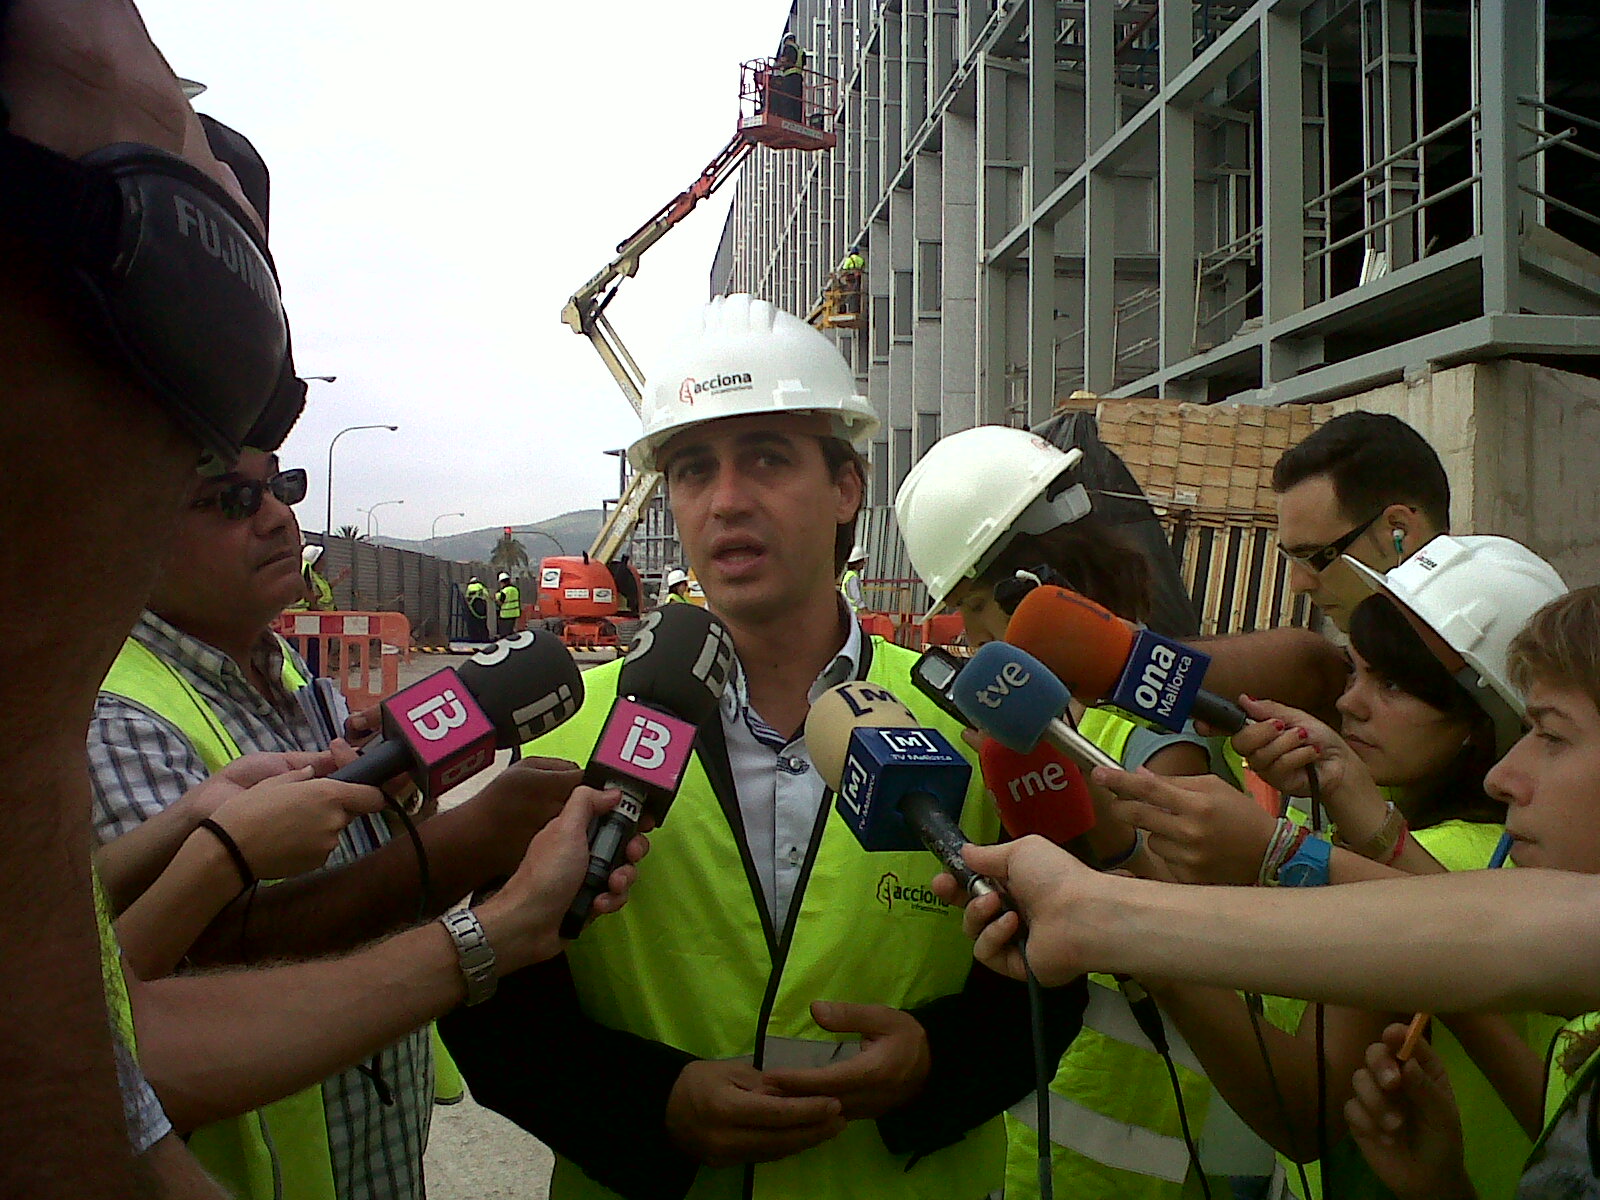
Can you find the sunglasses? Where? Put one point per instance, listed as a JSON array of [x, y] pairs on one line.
[[1320, 559], [243, 497]]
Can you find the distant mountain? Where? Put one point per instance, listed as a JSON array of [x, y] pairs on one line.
[[574, 531]]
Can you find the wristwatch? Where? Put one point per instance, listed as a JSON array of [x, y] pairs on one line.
[[1308, 866], [474, 952]]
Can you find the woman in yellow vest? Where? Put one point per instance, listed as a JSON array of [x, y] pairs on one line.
[[1428, 736], [985, 514], [1404, 1117]]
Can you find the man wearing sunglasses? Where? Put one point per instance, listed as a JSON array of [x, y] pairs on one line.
[[1364, 484]]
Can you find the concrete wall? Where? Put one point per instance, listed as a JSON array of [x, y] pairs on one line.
[[1521, 445]]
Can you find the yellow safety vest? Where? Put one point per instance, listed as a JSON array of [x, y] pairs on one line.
[[688, 963], [1495, 1143], [1113, 1118], [286, 1140], [510, 599]]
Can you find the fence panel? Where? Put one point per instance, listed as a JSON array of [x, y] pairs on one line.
[[372, 578]]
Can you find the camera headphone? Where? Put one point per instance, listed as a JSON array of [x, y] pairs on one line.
[[169, 276]]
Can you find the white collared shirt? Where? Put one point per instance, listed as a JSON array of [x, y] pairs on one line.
[[779, 790]]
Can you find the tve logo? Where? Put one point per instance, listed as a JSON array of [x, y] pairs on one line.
[[434, 719], [646, 744], [1010, 677]]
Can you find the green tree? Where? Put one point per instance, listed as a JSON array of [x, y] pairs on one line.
[[351, 532], [508, 554]]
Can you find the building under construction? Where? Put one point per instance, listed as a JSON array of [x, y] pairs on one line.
[[1267, 203]]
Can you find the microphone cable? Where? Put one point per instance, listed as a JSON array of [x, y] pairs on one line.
[[1318, 816], [1042, 1074]]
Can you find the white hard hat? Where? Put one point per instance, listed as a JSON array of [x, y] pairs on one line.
[[858, 553], [972, 492], [747, 358], [310, 555], [1476, 594], [504, 578], [675, 577]]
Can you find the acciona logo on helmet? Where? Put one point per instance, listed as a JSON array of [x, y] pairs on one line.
[[713, 385]]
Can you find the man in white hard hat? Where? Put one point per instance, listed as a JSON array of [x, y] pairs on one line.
[[850, 581], [784, 1014], [508, 606], [677, 586]]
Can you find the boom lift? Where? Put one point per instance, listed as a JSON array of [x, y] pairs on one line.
[[772, 112]]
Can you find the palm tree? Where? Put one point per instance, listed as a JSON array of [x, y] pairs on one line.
[[351, 532], [508, 555]]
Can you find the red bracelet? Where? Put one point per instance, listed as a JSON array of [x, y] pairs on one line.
[[1399, 845]]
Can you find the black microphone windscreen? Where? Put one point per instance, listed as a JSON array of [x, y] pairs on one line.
[[526, 684], [680, 660]]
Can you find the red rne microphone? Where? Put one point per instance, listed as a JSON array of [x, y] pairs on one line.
[[1041, 792]]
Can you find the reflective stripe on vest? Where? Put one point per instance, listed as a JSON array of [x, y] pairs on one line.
[[280, 1149], [692, 945]]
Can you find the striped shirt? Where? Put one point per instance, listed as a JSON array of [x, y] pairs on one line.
[[141, 763]]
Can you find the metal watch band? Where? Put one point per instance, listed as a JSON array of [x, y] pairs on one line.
[[474, 953]]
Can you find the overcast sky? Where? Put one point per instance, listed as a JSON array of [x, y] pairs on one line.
[[443, 178]]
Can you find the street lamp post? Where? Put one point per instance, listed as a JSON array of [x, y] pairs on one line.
[[372, 528], [327, 525], [434, 532]]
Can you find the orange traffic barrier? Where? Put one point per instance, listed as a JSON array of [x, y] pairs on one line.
[[359, 651], [877, 625], [943, 630]]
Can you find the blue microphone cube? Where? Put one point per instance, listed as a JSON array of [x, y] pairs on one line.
[[884, 765], [1160, 682]]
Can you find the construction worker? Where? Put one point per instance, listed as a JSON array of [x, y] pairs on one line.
[[852, 261], [318, 596], [477, 611], [761, 931], [850, 581], [786, 85], [508, 602], [677, 587]]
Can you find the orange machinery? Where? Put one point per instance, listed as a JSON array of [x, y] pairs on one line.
[[579, 599]]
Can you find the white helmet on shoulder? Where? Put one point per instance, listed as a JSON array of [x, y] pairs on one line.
[[747, 358], [974, 491], [1475, 594]]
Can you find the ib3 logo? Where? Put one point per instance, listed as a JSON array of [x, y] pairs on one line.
[[891, 891], [434, 718], [645, 745]]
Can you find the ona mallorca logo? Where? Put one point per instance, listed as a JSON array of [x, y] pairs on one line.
[[712, 385], [918, 896]]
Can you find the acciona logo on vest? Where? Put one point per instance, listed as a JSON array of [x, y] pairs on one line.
[[918, 896], [713, 385]]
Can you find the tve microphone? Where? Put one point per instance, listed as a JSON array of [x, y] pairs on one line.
[[670, 683], [1013, 697], [1041, 792], [1106, 661], [446, 727], [897, 786]]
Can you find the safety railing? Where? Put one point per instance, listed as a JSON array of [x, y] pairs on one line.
[[1562, 140], [360, 651]]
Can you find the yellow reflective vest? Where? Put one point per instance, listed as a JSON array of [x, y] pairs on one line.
[[690, 962]]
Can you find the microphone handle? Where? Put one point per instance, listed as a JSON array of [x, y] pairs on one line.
[[1219, 712], [943, 837], [379, 763], [608, 843], [1078, 748]]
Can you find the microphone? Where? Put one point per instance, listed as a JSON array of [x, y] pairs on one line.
[[1042, 792], [1148, 678], [670, 683], [1012, 696], [446, 727], [897, 785]]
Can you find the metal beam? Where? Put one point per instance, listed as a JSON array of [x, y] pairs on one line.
[[1176, 314], [1041, 180]]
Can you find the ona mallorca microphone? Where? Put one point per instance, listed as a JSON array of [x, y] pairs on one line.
[[1106, 661], [1012, 696], [897, 785], [446, 727], [1039, 792], [670, 683]]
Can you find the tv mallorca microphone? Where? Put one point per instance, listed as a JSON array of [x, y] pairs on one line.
[[1106, 661], [1040, 792], [671, 682], [1012, 696], [897, 785], [447, 727]]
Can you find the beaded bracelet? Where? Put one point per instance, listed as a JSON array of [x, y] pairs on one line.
[[1287, 838]]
